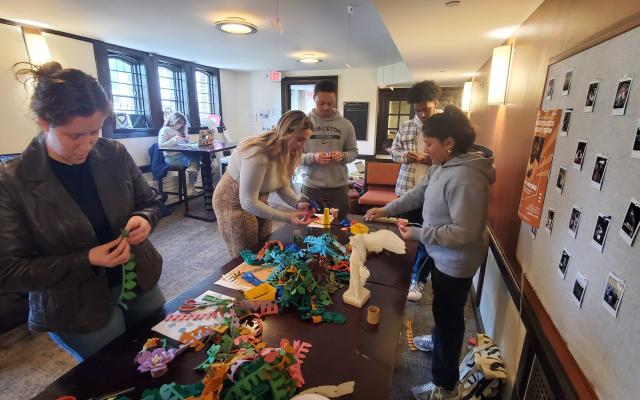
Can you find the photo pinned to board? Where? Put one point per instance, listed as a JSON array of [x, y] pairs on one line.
[[550, 85], [613, 291], [592, 93], [600, 231], [622, 96], [600, 167], [581, 151], [629, 228], [574, 221], [551, 213], [566, 121], [579, 288], [562, 177], [635, 151], [566, 86], [564, 263]]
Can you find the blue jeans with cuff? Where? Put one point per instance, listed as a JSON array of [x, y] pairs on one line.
[[83, 345]]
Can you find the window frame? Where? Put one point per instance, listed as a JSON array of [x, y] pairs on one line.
[[139, 78], [285, 87], [151, 88], [179, 87], [213, 91]]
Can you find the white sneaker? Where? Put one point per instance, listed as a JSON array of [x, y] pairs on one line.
[[415, 291], [423, 343], [429, 391]]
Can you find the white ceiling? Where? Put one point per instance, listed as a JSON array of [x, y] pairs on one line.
[[430, 36], [184, 29], [443, 43]]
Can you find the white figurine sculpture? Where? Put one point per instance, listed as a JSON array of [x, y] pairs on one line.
[[361, 244]]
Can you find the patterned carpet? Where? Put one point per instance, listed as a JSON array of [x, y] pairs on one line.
[[191, 249]]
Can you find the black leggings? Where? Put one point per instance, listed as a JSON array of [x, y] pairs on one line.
[[449, 299]]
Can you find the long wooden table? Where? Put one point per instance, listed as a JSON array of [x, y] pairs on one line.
[[355, 351]]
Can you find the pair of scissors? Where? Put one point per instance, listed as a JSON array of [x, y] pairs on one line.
[[192, 305]]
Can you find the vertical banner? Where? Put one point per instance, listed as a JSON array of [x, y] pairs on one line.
[[539, 167]]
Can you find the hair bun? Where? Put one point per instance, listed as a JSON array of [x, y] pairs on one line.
[[47, 70]]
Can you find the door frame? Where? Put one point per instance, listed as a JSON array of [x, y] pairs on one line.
[[285, 87]]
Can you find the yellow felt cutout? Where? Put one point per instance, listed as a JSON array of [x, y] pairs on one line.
[[359, 228], [263, 291]]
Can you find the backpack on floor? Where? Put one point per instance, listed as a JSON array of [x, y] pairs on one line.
[[482, 371]]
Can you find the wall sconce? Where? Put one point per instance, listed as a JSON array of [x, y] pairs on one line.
[[36, 44], [499, 74], [466, 96]]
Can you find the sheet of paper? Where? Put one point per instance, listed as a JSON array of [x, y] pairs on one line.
[[174, 328], [316, 222], [233, 279]]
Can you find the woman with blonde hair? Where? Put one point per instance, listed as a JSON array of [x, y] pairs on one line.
[[260, 165], [173, 133]]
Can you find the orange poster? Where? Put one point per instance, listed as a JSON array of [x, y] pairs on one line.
[[539, 167]]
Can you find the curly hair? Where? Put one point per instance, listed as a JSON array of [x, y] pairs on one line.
[[424, 91]]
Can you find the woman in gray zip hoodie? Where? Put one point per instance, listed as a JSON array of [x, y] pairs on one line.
[[454, 197]]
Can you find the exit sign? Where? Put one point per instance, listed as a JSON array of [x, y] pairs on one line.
[[275, 76]]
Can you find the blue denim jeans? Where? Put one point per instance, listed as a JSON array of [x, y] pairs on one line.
[[82, 345], [423, 263], [191, 161]]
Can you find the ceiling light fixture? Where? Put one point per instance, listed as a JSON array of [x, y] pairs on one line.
[[499, 76], [236, 26], [309, 59], [466, 96], [36, 44], [452, 3]]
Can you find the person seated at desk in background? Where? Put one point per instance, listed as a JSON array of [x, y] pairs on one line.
[[454, 196], [63, 204], [174, 133], [258, 166]]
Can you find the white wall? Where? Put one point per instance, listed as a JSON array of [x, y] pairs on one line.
[[502, 321], [235, 94], [17, 126]]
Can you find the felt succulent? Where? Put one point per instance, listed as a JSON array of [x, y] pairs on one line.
[[155, 361]]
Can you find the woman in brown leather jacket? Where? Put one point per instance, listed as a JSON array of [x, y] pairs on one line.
[[63, 204]]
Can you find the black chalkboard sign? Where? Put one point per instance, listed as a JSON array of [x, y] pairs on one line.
[[358, 113]]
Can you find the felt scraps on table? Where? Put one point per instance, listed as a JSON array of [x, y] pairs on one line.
[[239, 365], [305, 277]]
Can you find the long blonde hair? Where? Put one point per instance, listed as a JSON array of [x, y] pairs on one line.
[[275, 143], [176, 118]]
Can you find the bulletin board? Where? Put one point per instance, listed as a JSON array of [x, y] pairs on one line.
[[588, 276]]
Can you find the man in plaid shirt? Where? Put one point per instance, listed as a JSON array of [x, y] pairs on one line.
[[408, 150]]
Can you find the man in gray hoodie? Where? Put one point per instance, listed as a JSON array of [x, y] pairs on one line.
[[326, 154]]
